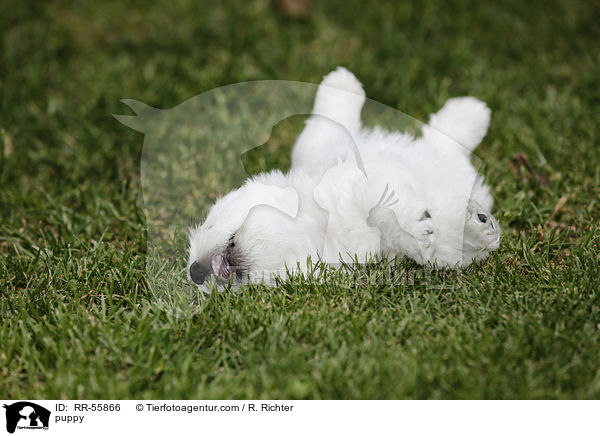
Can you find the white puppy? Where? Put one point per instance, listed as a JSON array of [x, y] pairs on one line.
[[354, 192]]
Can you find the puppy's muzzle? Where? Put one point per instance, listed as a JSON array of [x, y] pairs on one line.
[[199, 273]]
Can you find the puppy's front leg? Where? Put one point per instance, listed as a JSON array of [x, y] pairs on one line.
[[415, 243]]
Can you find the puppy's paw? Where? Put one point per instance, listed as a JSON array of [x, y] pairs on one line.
[[422, 229], [340, 97], [343, 79], [425, 230], [465, 119]]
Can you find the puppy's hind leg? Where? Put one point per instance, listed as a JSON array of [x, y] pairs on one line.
[[333, 127], [340, 98], [464, 119]]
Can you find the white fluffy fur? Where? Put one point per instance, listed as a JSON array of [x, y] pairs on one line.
[[354, 192]]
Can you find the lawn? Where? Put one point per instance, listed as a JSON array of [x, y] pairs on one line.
[[78, 315]]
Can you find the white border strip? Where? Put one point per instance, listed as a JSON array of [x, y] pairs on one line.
[[264, 417]]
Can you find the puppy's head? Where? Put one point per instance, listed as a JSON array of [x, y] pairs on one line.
[[468, 231], [481, 235], [246, 230]]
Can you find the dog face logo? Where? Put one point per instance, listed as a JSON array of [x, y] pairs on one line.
[[26, 415]]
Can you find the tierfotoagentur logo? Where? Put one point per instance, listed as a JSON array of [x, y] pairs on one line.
[[24, 415]]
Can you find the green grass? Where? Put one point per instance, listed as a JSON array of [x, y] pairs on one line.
[[78, 319]]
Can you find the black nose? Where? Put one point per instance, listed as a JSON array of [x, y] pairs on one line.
[[198, 273], [482, 217]]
